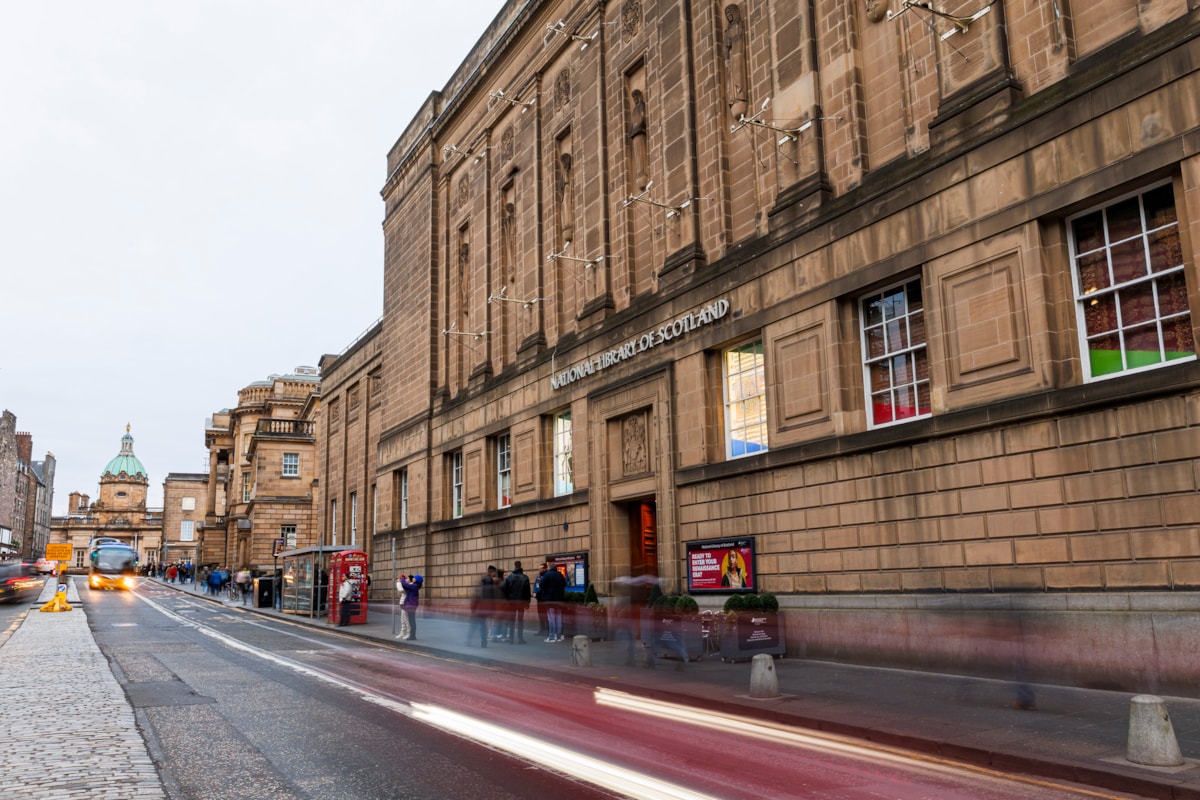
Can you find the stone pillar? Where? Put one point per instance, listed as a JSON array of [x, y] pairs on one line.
[[1151, 737], [764, 682], [581, 651]]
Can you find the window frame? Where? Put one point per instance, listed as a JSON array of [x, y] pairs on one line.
[[730, 407], [353, 519], [291, 466], [1123, 291], [916, 354], [404, 498], [333, 522], [503, 452], [562, 453], [288, 536], [457, 488], [187, 530]]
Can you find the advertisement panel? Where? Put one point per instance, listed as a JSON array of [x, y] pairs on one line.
[[721, 565], [574, 567]]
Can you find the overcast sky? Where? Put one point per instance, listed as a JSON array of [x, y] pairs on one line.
[[189, 202]]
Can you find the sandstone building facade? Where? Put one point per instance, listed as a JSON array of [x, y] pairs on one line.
[[904, 294], [262, 476]]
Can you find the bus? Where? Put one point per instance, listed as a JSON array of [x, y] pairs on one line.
[[112, 565]]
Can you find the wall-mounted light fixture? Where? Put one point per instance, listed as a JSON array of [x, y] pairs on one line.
[[959, 23], [560, 29], [499, 96], [673, 211], [588, 263], [455, 149], [503, 297], [472, 335], [789, 134]]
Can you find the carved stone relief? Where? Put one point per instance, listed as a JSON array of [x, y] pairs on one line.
[[635, 455], [562, 89], [565, 194], [734, 44], [464, 191], [631, 19], [876, 10], [637, 139], [506, 144]]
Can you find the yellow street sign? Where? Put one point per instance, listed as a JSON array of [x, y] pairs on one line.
[[58, 552]]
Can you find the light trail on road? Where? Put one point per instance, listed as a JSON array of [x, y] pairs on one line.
[[625, 782], [625, 744]]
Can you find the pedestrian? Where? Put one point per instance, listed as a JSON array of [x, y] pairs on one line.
[[408, 609], [543, 625], [501, 609], [243, 582], [346, 595], [518, 594], [214, 582], [482, 606], [552, 592]]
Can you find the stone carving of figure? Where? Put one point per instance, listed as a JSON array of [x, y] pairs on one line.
[[566, 198], [508, 219], [637, 138], [876, 10], [735, 61]]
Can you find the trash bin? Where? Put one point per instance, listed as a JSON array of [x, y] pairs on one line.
[[264, 592]]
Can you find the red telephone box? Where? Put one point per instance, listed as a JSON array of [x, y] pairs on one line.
[[348, 565]]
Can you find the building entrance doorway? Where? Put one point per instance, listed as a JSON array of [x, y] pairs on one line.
[[643, 549]]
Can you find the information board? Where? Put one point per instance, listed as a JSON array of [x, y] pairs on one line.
[[58, 552]]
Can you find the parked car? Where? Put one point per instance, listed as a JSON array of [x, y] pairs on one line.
[[19, 582]]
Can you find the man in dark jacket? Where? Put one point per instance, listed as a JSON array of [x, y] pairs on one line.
[[552, 591], [516, 589], [483, 604]]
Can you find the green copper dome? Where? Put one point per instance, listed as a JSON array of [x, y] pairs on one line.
[[125, 461]]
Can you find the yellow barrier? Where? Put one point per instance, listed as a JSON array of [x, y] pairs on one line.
[[59, 603]]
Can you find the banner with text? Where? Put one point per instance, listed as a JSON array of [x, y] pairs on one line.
[[721, 565]]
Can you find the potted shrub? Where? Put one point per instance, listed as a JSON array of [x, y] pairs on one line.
[[675, 619], [573, 622], [597, 615], [752, 626]]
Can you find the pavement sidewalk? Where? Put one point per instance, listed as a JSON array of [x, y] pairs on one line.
[[1072, 734]]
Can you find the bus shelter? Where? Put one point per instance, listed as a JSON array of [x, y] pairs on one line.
[[304, 579]]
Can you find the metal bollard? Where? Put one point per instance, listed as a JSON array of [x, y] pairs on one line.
[[763, 680], [581, 651], [1152, 739]]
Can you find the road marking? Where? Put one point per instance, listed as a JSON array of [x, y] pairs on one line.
[[597, 772], [780, 733]]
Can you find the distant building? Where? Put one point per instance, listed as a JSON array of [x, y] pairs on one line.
[[262, 478], [119, 513], [26, 494], [185, 508]]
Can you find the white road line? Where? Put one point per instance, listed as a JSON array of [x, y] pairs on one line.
[[597, 772]]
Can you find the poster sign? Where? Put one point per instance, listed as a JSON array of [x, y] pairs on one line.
[[574, 567], [58, 552], [721, 565]]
